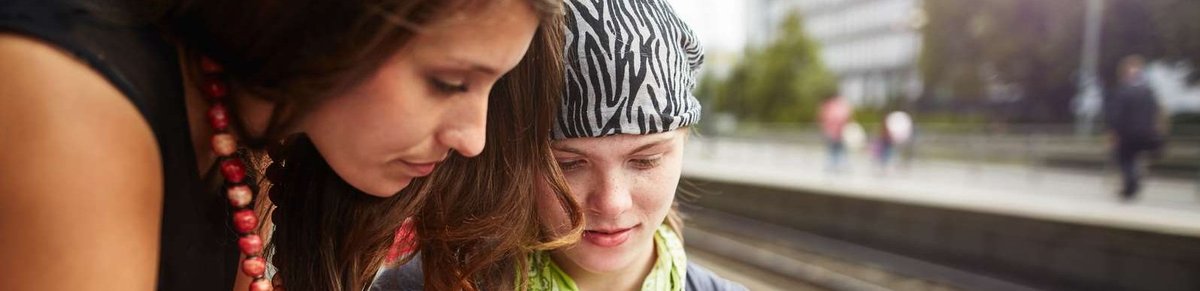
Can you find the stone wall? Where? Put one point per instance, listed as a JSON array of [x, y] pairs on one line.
[[1052, 255]]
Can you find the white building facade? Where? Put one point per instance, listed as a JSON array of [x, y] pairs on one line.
[[871, 45]]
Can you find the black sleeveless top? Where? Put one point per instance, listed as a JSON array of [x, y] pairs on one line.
[[198, 244]]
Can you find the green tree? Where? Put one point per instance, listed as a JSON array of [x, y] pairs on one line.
[[780, 82]]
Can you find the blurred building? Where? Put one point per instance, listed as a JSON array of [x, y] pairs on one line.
[[871, 45]]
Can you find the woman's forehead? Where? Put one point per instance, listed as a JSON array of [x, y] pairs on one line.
[[617, 144]]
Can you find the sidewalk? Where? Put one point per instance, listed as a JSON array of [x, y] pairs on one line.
[[1165, 206]]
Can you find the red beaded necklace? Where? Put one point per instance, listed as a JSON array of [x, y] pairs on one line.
[[240, 195]]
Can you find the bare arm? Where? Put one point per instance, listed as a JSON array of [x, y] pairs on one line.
[[80, 177]]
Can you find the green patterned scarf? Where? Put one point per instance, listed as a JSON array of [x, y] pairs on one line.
[[669, 270]]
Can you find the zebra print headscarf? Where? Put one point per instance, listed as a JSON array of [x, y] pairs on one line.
[[631, 66]]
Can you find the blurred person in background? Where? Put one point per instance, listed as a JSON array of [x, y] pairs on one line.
[[1136, 123], [619, 141], [894, 134], [834, 115]]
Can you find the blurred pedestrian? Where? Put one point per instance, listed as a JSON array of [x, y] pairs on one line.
[[1135, 122], [835, 113], [897, 128]]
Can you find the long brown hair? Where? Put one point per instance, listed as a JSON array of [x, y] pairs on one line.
[[462, 232], [475, 217]]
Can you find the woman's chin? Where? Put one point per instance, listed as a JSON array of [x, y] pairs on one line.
[[384, 189]]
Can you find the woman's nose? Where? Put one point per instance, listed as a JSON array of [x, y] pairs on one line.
[[467, 130], [612, 197]]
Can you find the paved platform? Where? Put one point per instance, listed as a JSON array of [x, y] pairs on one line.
[[1170, 207]]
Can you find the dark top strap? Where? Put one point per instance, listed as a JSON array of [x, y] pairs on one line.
[[198, 247]]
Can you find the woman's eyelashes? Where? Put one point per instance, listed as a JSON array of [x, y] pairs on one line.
[[449, 87], [637, 163], [569, 165], [646, 163]]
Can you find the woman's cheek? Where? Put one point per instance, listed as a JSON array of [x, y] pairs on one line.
[[551, 214]]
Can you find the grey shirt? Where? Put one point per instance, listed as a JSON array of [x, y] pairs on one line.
[[410, 277]]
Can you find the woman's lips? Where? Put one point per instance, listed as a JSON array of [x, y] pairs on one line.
[[421, 169], [607, 238]]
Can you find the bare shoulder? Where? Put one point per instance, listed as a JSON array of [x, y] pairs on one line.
[[54, 105], [80, 175]]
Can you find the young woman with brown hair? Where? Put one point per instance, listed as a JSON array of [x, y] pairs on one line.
[[130, 131], [447, 207]]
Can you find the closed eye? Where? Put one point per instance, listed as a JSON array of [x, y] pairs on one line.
[[569, 165], [646, 164], [446, 87]]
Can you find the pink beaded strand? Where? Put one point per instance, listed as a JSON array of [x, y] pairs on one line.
[[245, 220]]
